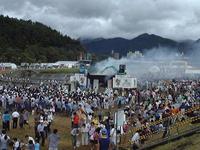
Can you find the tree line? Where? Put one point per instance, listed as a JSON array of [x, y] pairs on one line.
[[28, 41]]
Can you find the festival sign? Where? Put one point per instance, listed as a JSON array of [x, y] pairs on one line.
[[124, 81], [80, 78]]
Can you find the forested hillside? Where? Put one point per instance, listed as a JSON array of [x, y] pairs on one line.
[[27, 41]]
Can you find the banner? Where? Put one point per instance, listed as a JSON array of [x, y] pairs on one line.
[[120, 118], [95, 85], [109, 83], [80, 78], [124, 81]]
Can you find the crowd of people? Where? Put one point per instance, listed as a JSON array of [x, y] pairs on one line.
[[93, 120], [168, 101]]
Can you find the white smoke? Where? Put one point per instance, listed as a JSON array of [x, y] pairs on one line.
[[194, 54], [157, 63]]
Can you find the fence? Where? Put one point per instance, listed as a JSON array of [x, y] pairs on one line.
[[155, 137]]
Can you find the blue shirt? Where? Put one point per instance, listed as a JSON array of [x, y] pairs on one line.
[[6, 117], [37, 146], [104, 143]]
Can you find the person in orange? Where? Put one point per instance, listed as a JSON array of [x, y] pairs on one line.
[[174, 112]]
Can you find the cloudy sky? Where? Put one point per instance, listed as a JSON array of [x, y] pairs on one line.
[[176, 19]]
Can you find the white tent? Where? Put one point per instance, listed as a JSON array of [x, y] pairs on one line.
[[8, 65]]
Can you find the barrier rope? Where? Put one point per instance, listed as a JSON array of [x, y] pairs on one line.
[[164, 119], [150, 134], [179, 124]]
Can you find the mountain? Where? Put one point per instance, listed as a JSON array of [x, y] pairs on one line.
[[27, 41], [198, 41], [142, 42]]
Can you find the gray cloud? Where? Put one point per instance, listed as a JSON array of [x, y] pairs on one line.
[[177, 19]]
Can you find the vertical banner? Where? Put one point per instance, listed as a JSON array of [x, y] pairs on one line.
[[120, 117], [88, 83], [73, 86], [95, 85], [109, 83]]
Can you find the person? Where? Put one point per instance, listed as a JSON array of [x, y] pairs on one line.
[[41, 132], [15, 116], [94, 139], [74, 135], [136, 140], [53, 140], [6, 120], [84, 134], [37, 144], [113, 136], [16, 144], [3, 133], [75, 120], [4, 142], [46, 126], [104, 140], [30, 145], [36, 123], [50, 119], [100, 115], [29, 138], [166, 123], [26, 117], [21, 120]]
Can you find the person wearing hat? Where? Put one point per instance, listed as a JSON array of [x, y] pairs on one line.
[[104, 140]]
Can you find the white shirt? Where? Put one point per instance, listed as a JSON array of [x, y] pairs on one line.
[[40, 128], [15, 114], [31, 139], [84, 130], [16, 145], [3, 135], [113, 135], [136, 138]]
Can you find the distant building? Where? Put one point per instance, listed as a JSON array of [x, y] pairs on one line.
[[115, 55], [66, 64], [58, 64], [88, 56], [85, 56], [135, 54], [7, 66]]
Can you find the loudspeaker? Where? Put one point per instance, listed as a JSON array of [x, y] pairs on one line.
[[122, 68]]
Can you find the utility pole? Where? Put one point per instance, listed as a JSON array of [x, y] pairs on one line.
[[116, 130]]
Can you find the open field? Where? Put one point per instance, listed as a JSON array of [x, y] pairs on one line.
[[61, 122], [60, 70]]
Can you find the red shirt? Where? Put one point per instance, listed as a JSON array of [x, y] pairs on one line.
[[76, 119]]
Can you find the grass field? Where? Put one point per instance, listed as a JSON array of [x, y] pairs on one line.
[[61, 123], [60, 70], [185, 143]]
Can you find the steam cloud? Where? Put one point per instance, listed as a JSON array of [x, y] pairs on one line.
[[157, 63]]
